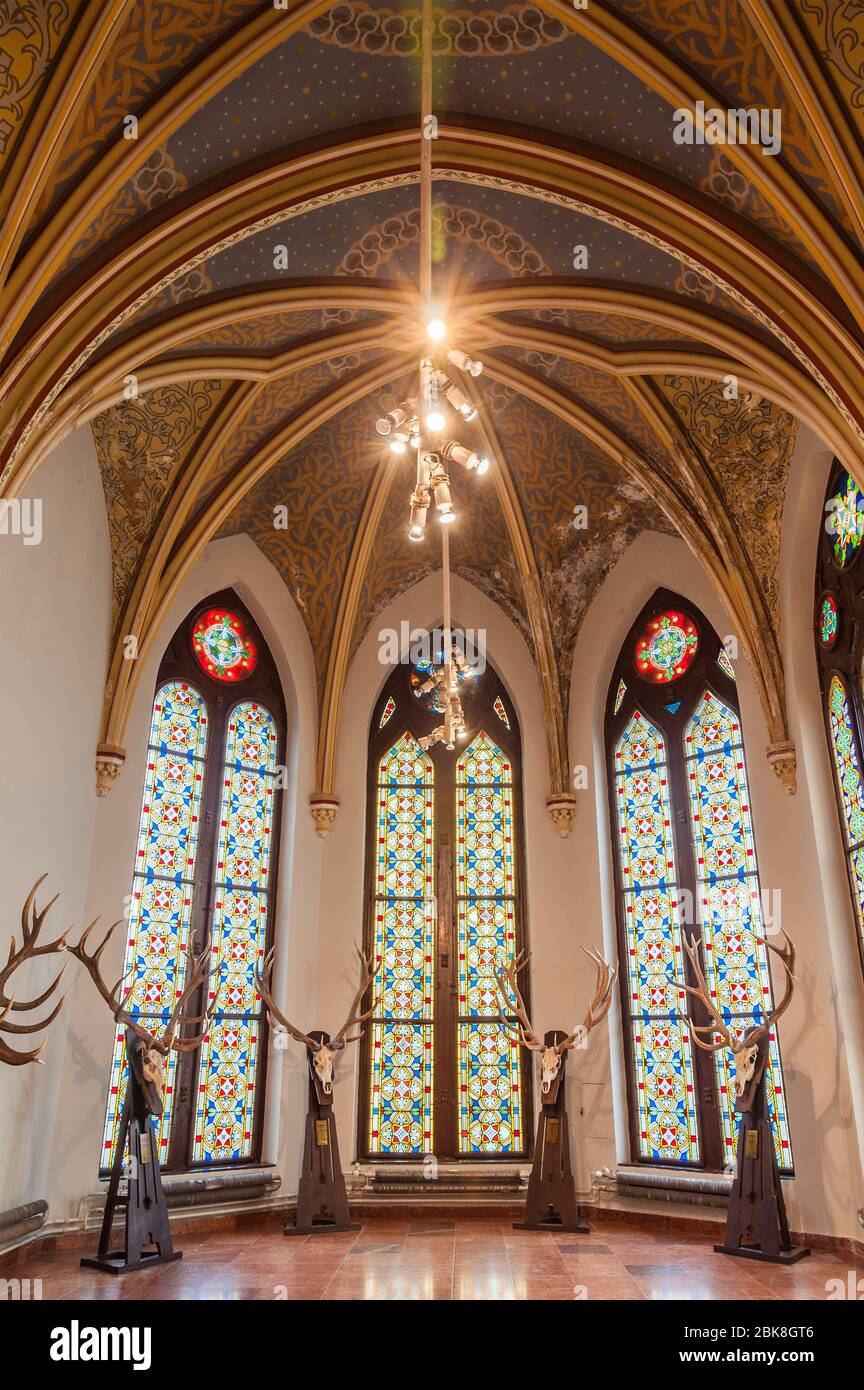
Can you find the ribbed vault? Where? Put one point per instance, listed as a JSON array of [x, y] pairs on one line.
[[229, 297]]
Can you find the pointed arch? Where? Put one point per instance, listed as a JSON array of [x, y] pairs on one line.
[[686, 866]]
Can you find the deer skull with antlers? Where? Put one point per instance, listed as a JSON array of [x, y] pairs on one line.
[[31, 925], [323, 1053], [151, 1049], [550, 1057], [744, 1049]]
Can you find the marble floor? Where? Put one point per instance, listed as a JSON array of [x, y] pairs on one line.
[[429, 1258]]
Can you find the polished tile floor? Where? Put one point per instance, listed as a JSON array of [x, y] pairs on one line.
[[444, 1259]]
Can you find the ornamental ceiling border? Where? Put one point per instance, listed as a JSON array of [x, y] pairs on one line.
[[408, 178]]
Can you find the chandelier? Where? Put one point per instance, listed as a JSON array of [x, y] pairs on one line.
[[422, 423]]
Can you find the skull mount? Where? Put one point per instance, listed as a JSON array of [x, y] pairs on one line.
[[750, 1064], [322, 1059]]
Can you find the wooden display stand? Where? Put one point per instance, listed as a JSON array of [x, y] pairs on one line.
[[756, 1223], [551, 1202], [146, 1209], [322, 1201]]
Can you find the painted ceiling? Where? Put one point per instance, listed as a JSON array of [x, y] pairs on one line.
[[210, 252]]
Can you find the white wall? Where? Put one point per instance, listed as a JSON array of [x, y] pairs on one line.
[[55, 613]]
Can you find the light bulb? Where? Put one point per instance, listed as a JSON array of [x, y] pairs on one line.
[[435, 421], [416, 533], [436, 329], [415, 441], [446, 516], [398, 446], [464, 362], [482, 467]]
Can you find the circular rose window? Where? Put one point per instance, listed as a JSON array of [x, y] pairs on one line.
[[223, 647], [666, 647], [829, 621]]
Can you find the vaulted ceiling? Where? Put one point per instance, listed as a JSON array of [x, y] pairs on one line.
[[210, 252]]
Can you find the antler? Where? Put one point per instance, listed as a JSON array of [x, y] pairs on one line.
[[600, 1003], [263, 983], [199, 972], [700, 991], [507, 981], [787, 957], [368, 975], [165, 1041], [31, 925]]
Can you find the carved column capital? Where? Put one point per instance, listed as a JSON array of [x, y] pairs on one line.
[[323, 807], [562, 809], [781, 757], [109, 760]]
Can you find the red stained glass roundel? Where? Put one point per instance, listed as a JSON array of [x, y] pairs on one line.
[[666, 647], [223, 646]]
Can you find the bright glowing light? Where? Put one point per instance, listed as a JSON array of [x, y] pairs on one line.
[[482, 467], [398, 446], [435, 421], [416, 533], [436, 329], [446, 517]]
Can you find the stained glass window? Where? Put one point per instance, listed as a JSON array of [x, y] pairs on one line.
[[666, 647], [228, 1063], [401, 1027], [845, 520], [685, 869], [847, 771], [223, 646], [664, 1079], [490, 1083], [162, 885], [829, 621], [501, 712], [725, 664], [387, 712], [733, 932]]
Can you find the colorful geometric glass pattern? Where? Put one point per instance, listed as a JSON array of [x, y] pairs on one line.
[[488, 1057], [665, 1095], [847, 768], [666, 647], [161, 898], [725, 664], [387, 711], [228, 1064], [829, 621], [733, 935], [619, 696], [223, 646], [501, 712], [401, 1064], [845, 520]]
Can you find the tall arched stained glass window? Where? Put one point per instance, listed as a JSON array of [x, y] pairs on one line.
[[686, 865], [402, 1037], [664, 1092], [489, 1068], [441, 1075], [163, 882], [730, 904], [204, 868], [839, 632], [228, 1066]]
